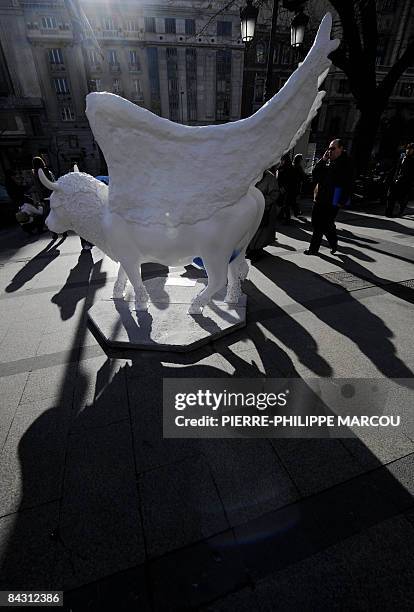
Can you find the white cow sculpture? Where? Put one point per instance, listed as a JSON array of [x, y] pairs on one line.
[[178, 192]]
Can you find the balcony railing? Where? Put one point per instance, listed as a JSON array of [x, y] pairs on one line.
[[57, 68], [17, 102], [110, 33], [49, 33]]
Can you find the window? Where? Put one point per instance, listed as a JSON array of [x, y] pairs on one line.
[[170, 26], [407, 90], [260, 53], [95, 85], [55, 56], [93, 57], [49, 23], [136, 85], [224, 29], [116, 86], [8, 123], [6, 86], [258, 89], [150, 24], [108, 23], [61, 85], [286, 55], [134, 59], [388, 6], [381, 49], [223, 84], [131, 25], [67, 113], [191, 74], [136, 89], [154, 79], [36, 125], [342, 86], [190, 26], [112, 58]]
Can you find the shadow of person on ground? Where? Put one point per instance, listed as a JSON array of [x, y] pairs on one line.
[[364, 328], [364, 221], [36, 265], [76, 286], [284, 329], [392, 287]]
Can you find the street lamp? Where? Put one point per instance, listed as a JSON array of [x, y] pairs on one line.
[[248, 18], [297, 29]]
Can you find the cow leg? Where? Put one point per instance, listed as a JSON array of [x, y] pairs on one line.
[[120, 283], [133, 271], [216, 268], [239, 268], [237, 272]]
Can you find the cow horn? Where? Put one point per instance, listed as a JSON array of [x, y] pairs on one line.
[[75, 168], [45, 181]]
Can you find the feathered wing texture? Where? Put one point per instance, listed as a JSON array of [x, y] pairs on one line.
[[163, 172]]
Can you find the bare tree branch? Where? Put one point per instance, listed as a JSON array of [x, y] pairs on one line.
[[369, 28], [388, 83], [346, 12]]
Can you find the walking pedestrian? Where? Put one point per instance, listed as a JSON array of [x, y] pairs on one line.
[[333, 177], [402, 182], [266, 232], [299, 177], [287, 185]]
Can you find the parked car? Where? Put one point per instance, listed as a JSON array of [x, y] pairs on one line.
[[7, 208]]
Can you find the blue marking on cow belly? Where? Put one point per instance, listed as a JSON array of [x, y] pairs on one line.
[[199, 262]]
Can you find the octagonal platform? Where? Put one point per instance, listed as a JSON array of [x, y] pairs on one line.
[[166, 326]]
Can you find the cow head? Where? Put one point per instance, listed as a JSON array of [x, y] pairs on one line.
[[75, 202]]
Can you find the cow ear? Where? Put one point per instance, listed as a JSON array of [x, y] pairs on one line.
[[75, 168]]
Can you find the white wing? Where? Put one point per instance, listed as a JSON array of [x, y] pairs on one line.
[[163, 172]]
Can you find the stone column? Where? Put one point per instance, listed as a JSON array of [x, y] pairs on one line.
[[182, 83], [210, 86], [236, 84], [165, 103]]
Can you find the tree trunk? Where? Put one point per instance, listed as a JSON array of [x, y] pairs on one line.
[[364, 137]]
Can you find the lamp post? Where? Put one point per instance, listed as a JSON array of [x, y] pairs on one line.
[[268, 90], [248, 18], [297, 29], [182, 105]]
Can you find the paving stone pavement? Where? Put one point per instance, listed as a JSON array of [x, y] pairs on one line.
[[95, 502]]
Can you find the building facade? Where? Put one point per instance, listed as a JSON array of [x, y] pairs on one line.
[[338, 115], [176, 59]]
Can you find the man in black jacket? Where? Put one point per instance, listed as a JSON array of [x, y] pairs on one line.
[[403, 181], [333, 177]]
